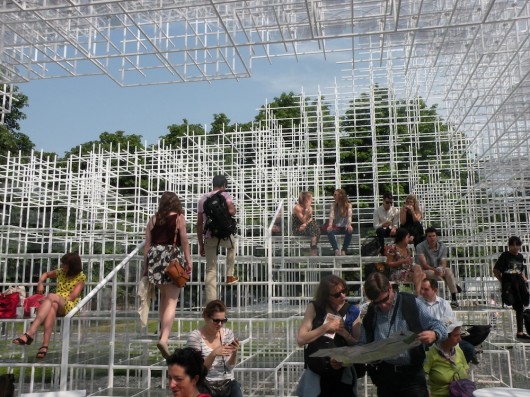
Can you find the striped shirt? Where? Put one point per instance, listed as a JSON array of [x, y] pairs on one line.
[[219, 370]]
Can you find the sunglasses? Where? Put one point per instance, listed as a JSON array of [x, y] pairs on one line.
[[338, 294], [219, 320], [384, 300]]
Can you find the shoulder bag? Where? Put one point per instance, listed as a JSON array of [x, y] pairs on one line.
[[219, 388], [176, 270], [461, 387]]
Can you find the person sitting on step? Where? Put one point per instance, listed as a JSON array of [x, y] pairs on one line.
[[303, 222], [431, 254], [70, 284], [339, 221], [401, 263]]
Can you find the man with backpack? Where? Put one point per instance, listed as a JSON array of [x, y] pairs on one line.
[[216, 227], [390, 312]]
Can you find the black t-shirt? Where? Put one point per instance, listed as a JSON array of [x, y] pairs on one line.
[[511, 264]]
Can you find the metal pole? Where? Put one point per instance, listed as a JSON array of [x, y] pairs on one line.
[[67, 319]]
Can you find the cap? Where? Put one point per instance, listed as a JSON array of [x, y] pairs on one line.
[[451, 324]]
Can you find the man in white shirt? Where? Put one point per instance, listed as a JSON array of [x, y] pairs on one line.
[[431, 254], [440, 309], [386, 220]]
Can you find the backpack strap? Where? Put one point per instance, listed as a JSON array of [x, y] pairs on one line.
[[410, 313], [412, 317]]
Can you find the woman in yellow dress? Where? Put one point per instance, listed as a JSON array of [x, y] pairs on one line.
[[70, 283]]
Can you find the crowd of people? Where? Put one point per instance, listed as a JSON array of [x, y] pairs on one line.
[[205, 366]]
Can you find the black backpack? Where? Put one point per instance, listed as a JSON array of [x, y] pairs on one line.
[[218, 220]]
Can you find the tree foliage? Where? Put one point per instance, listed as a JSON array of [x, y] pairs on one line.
[[109, 141], [374, 128], [178, 131], [11, 138]]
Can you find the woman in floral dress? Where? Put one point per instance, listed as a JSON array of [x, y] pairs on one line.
[[166, 227], [401, 263]]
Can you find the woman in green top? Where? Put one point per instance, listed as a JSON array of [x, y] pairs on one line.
[[445, 361]]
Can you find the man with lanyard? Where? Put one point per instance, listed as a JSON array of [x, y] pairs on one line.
[[390, 312], [431, 254], [440, 309], [386, 220]]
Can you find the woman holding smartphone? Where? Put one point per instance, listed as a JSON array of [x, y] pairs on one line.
[[219, 347]]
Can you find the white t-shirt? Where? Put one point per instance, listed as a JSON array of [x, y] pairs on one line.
[[218, 368]]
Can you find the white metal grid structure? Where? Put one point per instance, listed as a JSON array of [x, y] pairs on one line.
[[99, 204], [469, 57]]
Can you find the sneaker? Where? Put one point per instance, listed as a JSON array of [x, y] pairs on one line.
[[474, 360], [454, 304], [232, 279], [337, 252], [523, 337]]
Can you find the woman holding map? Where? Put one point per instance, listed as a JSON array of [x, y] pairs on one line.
[[329, 321]]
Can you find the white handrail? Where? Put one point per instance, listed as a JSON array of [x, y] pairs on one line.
[[67, 319], [268, 239]]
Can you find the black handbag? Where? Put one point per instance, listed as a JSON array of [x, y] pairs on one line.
[[477, 334], [320, 365], [219, 388], [371, 248]]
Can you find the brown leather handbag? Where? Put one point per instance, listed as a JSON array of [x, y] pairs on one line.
[[176, 270]]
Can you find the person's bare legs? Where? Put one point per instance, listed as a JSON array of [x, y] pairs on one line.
[[169, 294], [313, 248], [417, 277], [47, 314], [49, 322]]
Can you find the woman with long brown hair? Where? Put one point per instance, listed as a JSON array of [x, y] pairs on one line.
[[410, 217], [329, 320], [166, 239], [339, 221], [303, 222], [70, 284]]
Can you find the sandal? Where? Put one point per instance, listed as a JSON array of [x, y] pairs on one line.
[[42, 353], [162, 346], [22, 342]]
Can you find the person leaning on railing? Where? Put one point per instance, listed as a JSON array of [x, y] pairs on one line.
[[70, 284]]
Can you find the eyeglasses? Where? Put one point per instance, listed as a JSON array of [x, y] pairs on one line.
[[384, 300], [338, 294], [219, 320]]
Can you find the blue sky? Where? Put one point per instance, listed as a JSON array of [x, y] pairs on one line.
[[66, 112]]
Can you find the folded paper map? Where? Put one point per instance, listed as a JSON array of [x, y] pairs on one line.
[[370, 352]]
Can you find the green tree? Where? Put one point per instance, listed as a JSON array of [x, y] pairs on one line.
[[221, 123], [378, 123], [294, 115], [178, 131], [11, 139], [109, 141]]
